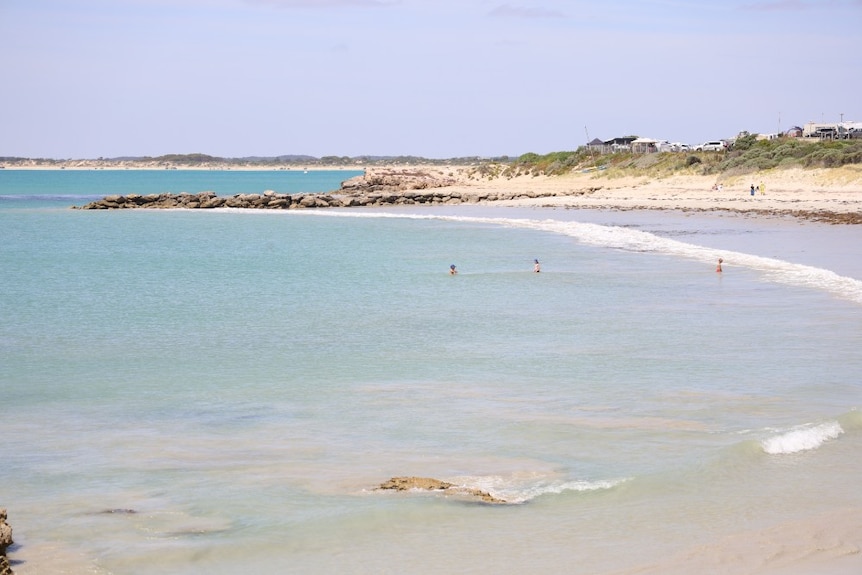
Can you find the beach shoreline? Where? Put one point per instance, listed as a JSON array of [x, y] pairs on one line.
[[785, 191], [800, 192], [829, 195], [820, 542]]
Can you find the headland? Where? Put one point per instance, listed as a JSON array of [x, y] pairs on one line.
[[832, 195]]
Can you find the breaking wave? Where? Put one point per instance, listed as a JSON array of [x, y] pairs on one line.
[[802, 438], [522, 490]]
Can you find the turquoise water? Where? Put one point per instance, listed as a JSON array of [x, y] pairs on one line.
[[62, 188], [242, 380]]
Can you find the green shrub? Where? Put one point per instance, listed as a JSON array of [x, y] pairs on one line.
[[747, 155], [745, 141]]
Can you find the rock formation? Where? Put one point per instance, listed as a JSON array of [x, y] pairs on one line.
[[5, 541], [379, 188], [430, 484]]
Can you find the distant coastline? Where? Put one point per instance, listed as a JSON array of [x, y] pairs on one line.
[[81, 165], [832, 195], [204, 162], [663, 181]]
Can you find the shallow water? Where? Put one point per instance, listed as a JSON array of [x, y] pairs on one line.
[[243, 380]]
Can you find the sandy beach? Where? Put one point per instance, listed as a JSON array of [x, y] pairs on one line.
[[792, 191], [788, 191]]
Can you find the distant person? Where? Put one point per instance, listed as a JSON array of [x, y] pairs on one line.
[[752, 190], [718, 267], [452, 270], [536, 267], [762, 189]]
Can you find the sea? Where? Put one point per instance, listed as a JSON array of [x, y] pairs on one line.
[[223, 391]]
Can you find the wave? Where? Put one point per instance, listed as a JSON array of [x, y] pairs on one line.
[[632, 240], [802, 438], [523, 489]]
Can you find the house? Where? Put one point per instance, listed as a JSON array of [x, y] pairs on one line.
[[598, 146], [831, 131], [623, 144], [644, 146]]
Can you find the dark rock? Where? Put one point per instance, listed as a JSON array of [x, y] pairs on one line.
[[5, 541], [118, 511]]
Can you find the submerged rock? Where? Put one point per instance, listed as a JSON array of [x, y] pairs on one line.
[[431, 484]]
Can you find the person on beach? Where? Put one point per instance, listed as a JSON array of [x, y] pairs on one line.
[[718, 267], [452, 270], [752, 190], [762, 189], [536, 267]]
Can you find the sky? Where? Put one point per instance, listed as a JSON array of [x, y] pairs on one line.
[[432, 78]]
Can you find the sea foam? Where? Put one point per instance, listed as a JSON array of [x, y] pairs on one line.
[[627, 239], [801, 439], [523, 489]]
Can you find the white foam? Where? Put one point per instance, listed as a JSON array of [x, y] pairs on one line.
[[801, 439], [628, 239], [522, 489]]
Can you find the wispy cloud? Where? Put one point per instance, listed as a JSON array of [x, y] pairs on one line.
[[507, 11]]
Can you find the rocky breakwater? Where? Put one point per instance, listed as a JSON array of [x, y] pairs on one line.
[[5, 541], [377, 188]]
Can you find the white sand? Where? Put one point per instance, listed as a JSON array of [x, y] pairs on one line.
[[836, 190], [828, 544]]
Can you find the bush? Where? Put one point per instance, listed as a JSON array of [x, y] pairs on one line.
[[747, 155], [745, 142]]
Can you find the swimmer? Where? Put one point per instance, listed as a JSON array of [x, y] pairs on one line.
[[452, 270], [718, 267], [536, 267]]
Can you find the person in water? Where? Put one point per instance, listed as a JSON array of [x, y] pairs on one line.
[[452, 270], [718, 267], [536, 267]]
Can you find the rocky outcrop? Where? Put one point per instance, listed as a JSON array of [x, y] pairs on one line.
[[397, 181], [376, 188], [430, 484], [5, 541], [274, 201], [403, 186]]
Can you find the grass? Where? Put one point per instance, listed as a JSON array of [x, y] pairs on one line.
[[748, 155]]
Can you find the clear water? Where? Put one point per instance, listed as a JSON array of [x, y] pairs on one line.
[[62, 188], [242, 380]]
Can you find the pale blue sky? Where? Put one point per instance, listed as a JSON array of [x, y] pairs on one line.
[[432, 78]]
